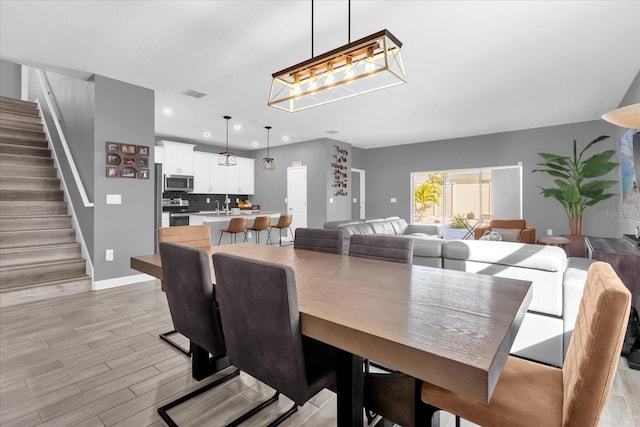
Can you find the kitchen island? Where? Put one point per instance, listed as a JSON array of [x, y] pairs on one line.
[[216, 221]]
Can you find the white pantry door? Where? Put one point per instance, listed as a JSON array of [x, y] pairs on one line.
[[297, 196]]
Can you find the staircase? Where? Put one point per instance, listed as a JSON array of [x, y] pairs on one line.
[[39, 257]]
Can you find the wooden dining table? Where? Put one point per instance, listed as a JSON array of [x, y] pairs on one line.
[[449, 328]]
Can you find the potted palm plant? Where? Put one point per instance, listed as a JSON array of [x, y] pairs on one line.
[[575, 186]]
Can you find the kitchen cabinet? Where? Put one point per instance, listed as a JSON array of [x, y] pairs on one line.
[[178, 158], [165, 219], [209, 177], [158, 154]]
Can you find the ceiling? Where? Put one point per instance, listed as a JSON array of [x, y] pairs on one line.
[[474, 67]]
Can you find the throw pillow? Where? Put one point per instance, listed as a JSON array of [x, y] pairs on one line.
[[491, 235], [508, 234]]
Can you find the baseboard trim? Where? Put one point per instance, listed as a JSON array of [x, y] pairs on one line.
[[99, 285]]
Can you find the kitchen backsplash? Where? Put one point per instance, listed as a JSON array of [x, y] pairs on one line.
[[198, 202]]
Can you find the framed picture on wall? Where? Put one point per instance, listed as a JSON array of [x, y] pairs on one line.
[[112, 172], [127, 160]]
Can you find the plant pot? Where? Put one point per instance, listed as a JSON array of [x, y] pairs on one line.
[[576, 245]]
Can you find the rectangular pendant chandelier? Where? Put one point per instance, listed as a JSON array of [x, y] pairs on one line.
[[366, 65]]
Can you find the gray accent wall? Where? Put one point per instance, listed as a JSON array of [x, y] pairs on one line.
[[271, 186], [10, 79], [123, 113], [505, 193], [388, 171]]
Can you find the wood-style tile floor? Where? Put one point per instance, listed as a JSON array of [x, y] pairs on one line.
[[95, 360]]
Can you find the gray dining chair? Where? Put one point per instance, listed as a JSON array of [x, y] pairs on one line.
[[261, 321], [384, 248], [194, 312], [320, 240]]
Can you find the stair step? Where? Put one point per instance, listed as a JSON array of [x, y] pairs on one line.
[[27, 195], [15, 124], [27, 183], [28, 171], [5, 101], [25, 142], [40, 272], [42, 291], [19, 117], [25, 108], [29, 238], [22, 256], [40, 222], [8, 132], [15, 159], [29, 208], [22, 150]]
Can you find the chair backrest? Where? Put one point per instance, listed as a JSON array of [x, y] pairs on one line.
[[260, 316], [195, 236], [519, 224], [284, 221], [261, 223], [191, 295], [594, 350], [237, 225], [385, 248], [320, 240]]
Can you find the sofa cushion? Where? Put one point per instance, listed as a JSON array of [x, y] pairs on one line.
[[332, 225], [382, 227], [399, 225], [539, 257], [508, 234], [357, 228]]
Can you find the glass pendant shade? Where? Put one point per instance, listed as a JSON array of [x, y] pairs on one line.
[[268, 164], [227, 158], [366, 65]]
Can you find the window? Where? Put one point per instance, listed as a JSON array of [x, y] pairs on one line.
[[463, 199]]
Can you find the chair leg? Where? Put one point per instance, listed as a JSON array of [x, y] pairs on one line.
[[162, 411], [165, 337], [269, 241], [220, 239]]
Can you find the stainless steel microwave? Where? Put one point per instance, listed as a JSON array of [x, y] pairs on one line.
[[178, 183]]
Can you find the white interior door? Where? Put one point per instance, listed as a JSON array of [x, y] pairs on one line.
[[297, 197]]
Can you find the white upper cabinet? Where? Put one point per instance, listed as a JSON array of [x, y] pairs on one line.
[[209, 177], [178, 158]]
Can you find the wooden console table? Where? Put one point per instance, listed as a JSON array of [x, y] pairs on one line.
[[623, 257]]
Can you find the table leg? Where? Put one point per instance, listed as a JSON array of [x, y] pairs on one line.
[[350, 390]]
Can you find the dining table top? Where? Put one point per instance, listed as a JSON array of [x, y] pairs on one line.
[[449, 328]]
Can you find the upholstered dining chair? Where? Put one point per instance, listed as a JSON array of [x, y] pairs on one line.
[[384, 248], [261, 321], [530, 394], [194, 312], [319, 240], [195, 236], [236, 225], [283, 222], [260, 223]]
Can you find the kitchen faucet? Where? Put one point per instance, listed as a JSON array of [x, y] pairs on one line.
[[217, 203]]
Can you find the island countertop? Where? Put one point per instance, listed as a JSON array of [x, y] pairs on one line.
[[208, 216]]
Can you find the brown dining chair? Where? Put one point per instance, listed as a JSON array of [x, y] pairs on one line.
[[530, 394], [194, 312], [283, 222], [195, 236], [236, 225], [320, 240], [263, 332], [260, 223]]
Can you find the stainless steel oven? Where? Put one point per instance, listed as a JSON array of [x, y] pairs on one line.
[[178, 218], [178, 183]]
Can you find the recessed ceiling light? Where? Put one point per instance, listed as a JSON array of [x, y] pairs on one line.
[[167, 111], [285, 138], [237, 127], [207, 134], [255, 144]]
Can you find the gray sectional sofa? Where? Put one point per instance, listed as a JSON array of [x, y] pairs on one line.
[[557, 281]]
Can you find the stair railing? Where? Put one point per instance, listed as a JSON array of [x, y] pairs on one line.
[[53, 108]]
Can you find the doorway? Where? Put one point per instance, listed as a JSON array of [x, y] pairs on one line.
[[357, 192], [296, 198]]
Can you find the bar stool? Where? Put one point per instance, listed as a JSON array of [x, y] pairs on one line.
[[283, 222], [260, 223], [236, 225]]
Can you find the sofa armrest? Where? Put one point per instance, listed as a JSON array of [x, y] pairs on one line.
[[528, 235], [426, 229], [480, 230]]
